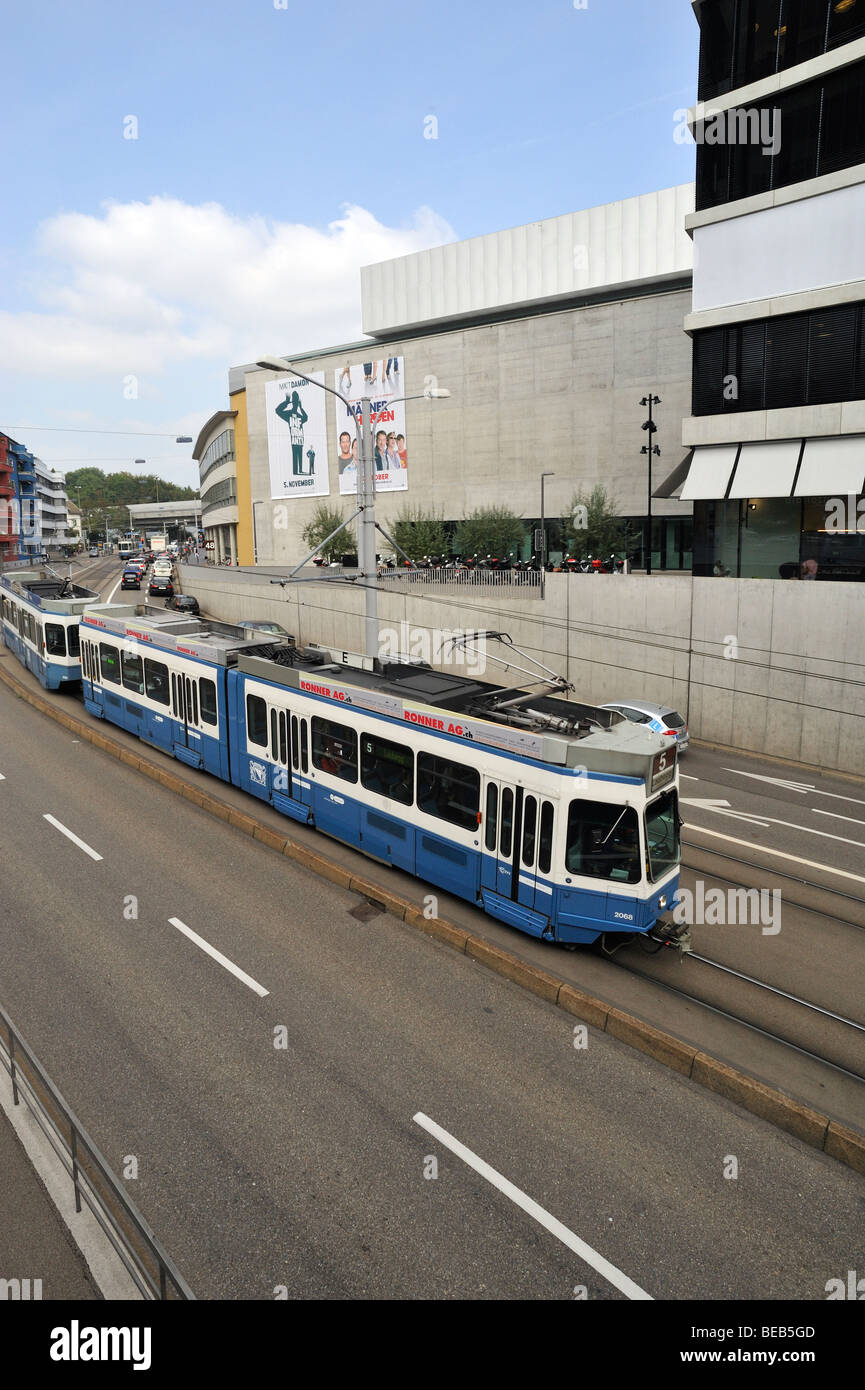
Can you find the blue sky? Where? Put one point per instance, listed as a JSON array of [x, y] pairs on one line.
[[277, 150]]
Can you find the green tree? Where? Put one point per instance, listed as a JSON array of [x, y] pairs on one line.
[[119, 490], [324, 520], [489, 531], [593, 526], [419, 533]]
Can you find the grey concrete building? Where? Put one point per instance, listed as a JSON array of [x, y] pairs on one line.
[[547, 337]]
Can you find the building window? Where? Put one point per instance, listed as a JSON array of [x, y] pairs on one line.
[[813, 129], [779, 538], [793, 360], [742, 41]]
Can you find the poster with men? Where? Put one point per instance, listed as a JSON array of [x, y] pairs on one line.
[[297, 437], [382, 381]]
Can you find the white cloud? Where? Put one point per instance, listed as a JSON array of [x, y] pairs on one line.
[[147, 287]]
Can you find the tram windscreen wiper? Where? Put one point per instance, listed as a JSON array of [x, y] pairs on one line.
[[625, 808]]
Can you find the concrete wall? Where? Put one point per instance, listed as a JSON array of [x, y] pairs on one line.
[[555, 392], [768, 666]]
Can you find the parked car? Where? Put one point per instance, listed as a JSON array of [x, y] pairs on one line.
[[184, 603], [161, 585], [131, 579], [660, 718], [263, 629]]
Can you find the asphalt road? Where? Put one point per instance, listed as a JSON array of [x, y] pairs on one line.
[[303, 1165], [767, 818]]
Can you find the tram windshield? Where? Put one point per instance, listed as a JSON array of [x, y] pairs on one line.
[[603, 841], [662, 835]]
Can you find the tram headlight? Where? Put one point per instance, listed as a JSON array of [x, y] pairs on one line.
[[662, 901]]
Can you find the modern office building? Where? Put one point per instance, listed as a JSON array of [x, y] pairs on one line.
[[775, 435], [52, 506], [547, 336], [226, 515]]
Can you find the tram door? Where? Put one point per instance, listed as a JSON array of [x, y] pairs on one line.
[[289, 749], [518, 837], [187, 718]]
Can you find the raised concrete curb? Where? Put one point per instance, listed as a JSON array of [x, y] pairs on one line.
[[781, 1110]]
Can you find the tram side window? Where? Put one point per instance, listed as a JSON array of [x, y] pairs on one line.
[[449, 790], [545, 843], [28, 627], [55, 639], [256, 720], [603, 842], [109, 662], [334, 749], [207, 692], [530, 822], [492, 816], [156, 681], [72, 640], [132, 669], [387, 768]]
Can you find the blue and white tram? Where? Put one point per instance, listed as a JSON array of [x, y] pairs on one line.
[[39, 615], [554, 817]]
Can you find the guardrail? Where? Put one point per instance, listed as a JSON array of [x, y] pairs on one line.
[[464, 578], [150, 1268]]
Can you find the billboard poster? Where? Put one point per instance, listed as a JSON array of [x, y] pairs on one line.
[[297, 437], [381, 379]]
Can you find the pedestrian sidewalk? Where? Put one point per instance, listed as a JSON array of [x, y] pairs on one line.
[[35, 1243]]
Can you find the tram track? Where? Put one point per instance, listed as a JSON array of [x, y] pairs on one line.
[[769, 870], [836, 1030]]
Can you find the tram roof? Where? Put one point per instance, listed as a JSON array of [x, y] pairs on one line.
[[543, 728], [48, 591]]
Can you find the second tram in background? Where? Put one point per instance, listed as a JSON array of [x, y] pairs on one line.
[[39, 615]]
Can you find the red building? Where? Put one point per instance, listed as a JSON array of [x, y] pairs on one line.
[[8, 506]]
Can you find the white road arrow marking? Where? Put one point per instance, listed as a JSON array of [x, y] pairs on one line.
[[802, 787], [708, 804], [723, 808]]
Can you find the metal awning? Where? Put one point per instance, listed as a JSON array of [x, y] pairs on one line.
[[834, 466], [670, 486], [766, 470], [710, 471], [769, 468]]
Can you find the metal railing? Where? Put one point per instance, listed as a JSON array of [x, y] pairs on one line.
[[463, 578], [147, 1264]]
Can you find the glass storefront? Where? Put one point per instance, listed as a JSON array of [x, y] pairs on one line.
[[781, 538]]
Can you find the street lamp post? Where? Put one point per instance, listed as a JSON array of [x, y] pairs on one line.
[[544, 476], [365, 511], [650, 449]]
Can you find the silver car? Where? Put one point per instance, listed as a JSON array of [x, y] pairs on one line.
[[660, 718]]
